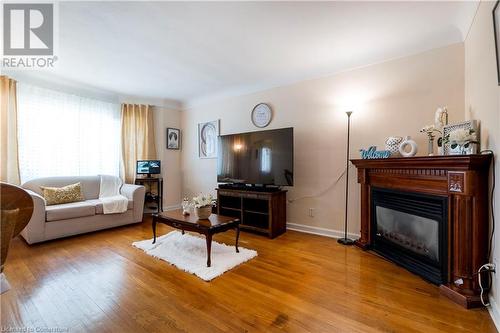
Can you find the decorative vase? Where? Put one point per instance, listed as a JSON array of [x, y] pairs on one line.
[[430, 145], [204, 212], [413, 147], [392, 144]]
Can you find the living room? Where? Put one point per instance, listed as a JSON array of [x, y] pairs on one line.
[[235, 166]]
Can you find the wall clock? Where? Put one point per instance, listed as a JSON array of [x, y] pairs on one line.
[[262, 115]]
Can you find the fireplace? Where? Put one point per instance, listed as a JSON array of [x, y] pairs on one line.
[[410, 230], [430, 215]]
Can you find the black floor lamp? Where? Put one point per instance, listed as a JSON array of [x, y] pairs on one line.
[[345, 240]]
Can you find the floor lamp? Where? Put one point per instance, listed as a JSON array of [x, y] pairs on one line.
[[345, 240]]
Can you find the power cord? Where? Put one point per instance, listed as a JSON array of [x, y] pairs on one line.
[[490, 268], [322, 192]]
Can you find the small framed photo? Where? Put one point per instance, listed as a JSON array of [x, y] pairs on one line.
[[173, 138], [496, 28]]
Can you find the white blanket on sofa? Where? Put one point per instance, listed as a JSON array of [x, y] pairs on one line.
[[109, 194]]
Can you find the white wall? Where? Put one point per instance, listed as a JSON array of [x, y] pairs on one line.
[[396, 97], [170, 159], [482, 101]]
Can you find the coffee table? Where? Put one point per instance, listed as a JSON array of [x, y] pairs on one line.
[[208, 227]]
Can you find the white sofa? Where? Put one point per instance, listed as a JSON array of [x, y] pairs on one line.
[[56, 221]]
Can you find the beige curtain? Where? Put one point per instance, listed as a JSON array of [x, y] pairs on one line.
[[138, 138], [9, 160]]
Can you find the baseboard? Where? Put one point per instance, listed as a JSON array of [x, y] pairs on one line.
[[320, 231], [172, 207], [494, 312]]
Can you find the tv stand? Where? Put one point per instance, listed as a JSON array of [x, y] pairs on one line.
[[154, 194], [262, 211], [253, 187]]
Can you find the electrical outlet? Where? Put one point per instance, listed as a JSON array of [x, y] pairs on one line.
[[311, 212]]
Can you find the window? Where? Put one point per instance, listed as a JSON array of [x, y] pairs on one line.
[[66, 135]]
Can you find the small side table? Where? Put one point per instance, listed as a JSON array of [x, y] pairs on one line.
[[159, 187]]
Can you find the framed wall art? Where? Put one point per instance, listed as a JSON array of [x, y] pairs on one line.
[[207, 139], [173, 138]]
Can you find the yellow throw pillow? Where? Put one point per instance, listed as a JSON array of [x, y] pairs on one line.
[[61, 195]]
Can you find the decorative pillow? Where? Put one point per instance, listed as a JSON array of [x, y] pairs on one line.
[[61, 195]]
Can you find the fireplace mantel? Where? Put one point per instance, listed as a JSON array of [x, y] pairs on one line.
[[463, 180]]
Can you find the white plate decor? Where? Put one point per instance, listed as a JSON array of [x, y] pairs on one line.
[[262, 115], [207, 139]]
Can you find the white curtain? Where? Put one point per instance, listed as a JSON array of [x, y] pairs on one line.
[[66, 135]]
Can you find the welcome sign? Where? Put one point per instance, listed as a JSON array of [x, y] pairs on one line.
[[373, 153]]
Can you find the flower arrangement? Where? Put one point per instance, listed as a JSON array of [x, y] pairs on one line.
[[461, 138], [203, 200], [429, 130], [203, 205]]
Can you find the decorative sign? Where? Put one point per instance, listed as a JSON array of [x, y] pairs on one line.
[[372, 153]]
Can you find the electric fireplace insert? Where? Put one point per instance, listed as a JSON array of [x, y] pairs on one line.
[[410, 230]]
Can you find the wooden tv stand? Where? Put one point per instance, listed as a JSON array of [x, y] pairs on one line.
[[263, 212]]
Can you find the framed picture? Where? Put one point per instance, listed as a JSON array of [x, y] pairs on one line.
[[173, 138], [466, 125], [207, 139], [496, 29]]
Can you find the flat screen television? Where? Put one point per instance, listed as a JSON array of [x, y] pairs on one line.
[[260, 158], [148, 167]]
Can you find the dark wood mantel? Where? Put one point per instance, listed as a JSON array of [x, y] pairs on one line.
[[463, 180]]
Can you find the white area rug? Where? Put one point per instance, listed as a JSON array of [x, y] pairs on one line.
[[189, 253]]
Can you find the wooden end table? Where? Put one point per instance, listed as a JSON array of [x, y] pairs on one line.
[[208, 227]]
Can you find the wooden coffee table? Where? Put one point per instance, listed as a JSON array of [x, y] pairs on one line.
[[213, 225]]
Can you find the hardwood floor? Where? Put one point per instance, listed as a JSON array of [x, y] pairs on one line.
[[298, 283]]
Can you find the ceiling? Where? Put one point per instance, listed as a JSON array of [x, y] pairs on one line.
[[193, 52]]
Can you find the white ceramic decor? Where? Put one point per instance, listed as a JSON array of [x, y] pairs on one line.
[[392, 144], [408, 143]]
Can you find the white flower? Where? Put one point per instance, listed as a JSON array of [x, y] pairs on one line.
[[462, 135], [427, 129], [203, 200]]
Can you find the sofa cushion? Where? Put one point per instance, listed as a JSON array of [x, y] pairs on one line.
[[99, 209], [62, 195], [69, 211]]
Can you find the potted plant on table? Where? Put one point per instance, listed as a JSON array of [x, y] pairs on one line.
[[203, 205]]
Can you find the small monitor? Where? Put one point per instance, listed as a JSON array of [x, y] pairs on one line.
[[149, 167]]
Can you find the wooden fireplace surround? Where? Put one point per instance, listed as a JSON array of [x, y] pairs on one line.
[[464, 180]]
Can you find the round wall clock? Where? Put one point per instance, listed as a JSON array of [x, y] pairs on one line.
[[261, 115]]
